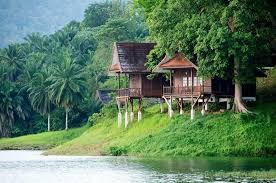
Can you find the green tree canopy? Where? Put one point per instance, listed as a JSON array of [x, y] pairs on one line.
[[67, 84], [215, 34]]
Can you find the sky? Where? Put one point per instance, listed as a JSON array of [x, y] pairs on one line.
[[19, 18]]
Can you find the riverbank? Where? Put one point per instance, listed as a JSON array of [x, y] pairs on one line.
[[40, 141], [216, 134]]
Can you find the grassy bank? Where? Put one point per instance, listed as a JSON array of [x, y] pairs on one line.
[[224, 134], [40, 141], [216, 134]]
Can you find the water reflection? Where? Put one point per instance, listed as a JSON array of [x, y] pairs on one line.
[[30, 166], [200, 164]]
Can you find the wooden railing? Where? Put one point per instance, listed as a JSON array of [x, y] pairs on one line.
[[129, 92], [185, 90]]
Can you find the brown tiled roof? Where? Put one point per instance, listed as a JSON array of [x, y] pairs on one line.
[[178, 61], [115, 67], [130, 57]]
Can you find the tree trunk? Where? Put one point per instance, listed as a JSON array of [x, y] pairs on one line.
[[238, 106], [66, 119], [49, 117]]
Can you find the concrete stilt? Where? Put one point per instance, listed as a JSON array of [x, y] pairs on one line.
[[119, 119], [126, 119], [192, 114], [161, 106], [131, 116], [170, 112], [139, 115], [202, 112], [228, 106], [206, 107]]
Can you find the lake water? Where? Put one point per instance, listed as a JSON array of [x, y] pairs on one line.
[[32, 167]]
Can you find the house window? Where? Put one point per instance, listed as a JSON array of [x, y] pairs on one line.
[[198, 81], [189, 81], [195, 81], [185, 81]]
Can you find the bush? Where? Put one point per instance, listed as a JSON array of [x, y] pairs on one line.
[[93, 119], [117, 151]]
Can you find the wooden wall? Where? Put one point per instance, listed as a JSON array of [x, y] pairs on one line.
[[226, 88], [178, 76], [152, 88], [135, 81]]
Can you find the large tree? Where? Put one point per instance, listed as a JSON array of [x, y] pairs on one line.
[[67, 84], [221, 36]]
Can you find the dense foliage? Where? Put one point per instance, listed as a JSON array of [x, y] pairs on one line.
[[56, 76], [224, 38]]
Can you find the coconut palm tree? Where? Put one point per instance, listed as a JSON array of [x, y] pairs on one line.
[[39, 94], [67, 84], [12, 107], [13, 57]]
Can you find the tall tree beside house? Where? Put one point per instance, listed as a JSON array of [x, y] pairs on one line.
[[221, 36], [67, 84], [39, 94]]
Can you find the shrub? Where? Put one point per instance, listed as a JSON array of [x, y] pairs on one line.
[[93, 119], [117, 151]]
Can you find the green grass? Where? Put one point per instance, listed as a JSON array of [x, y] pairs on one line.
[[40, 141], [225, 134]]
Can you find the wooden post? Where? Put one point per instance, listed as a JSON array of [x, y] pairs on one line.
[[161, 105], [140, 85], [171, 80], [118, 102], [171, 99], [192, 97], [119, 78], [126, 80], [181, 106], [202, 110]]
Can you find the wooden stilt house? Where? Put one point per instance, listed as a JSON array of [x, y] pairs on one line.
[[129, 60], [185, 85]]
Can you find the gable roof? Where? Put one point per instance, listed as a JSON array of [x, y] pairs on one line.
[[179, 61], [130, 57]]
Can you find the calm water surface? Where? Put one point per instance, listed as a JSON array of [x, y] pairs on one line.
[[32, 167]]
